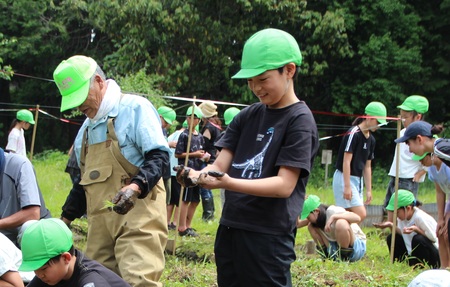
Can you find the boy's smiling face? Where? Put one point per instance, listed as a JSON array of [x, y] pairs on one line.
[[274, 89]]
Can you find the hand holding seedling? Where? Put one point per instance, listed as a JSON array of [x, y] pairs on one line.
[[124, 200]]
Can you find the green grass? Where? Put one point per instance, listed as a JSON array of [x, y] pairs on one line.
[[193, 263]]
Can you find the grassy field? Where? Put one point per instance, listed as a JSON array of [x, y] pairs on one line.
[[193, 262]]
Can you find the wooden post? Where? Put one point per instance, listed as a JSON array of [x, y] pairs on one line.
[[186, 159], [394, 218], [36, 116], [326, 160]]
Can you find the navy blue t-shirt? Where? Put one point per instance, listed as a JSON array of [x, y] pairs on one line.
[[361, 147], [197, 143], [86, 273]]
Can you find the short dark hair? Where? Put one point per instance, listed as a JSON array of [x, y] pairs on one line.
[[297, 69], [57, 257]]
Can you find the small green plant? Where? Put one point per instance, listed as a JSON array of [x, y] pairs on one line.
[[108, 204]]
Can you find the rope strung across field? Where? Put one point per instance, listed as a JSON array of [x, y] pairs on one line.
[[190, 100]]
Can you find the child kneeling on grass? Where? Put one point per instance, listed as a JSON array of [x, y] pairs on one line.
[[47, 249], [334, 230], [415, 240]]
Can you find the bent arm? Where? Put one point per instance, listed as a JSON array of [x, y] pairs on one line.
[[11, 279], [351, 217], [75, 205], [280, 186], [31, 212], [151, 171]]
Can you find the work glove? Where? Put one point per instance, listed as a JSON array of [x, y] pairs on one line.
[[124, 201], [183, 177]]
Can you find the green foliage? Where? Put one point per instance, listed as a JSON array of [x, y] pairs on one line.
[[141, 83], [354, 52]]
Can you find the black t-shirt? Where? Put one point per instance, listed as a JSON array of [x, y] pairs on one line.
[[87, 273], [262, 140], [209, 143], [197, 143], [361, 147]]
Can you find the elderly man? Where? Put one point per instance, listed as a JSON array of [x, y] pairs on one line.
[[20, 200], [122, 154]]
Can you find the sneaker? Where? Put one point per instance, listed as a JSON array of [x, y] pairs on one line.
[[171, 226], [188, 232]]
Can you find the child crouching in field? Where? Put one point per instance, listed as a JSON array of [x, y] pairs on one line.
[[334, 230], [47, 249], [415, 240]]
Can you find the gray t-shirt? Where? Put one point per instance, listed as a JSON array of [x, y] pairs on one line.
[[19, 189]]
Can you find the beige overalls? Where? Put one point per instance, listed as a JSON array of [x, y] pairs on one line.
[[131, 245]]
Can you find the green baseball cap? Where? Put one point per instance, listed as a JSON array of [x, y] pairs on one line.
[[376, 109], [168, 114], [405, 198], [72, 76], [197, 112], [25, 116], [311, 203], [229, 114], [268, 49], [44, 240], [419, 157], [415, 103]]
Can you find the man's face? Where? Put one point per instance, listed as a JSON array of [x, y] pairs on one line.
[[92, 103]]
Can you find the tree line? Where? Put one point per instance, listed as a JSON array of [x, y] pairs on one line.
[[354, 52]]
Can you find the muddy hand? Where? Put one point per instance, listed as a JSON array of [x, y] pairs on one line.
[[217, 174], [124, 201], [183, 177], [205, 178]]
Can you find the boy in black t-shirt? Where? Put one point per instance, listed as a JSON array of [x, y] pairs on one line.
[[266, 157], [47, 249], [197, 156]]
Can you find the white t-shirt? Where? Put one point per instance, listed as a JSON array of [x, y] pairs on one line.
[[333, 209], [11, 258], [408, 167], [16, 142], [422, 220]]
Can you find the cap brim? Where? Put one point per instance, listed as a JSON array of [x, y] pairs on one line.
[[389, 208], [33, 265], [418, 157], [32, 122], [76, 98], [401, 140], [381, 120], [304, 215], [405, 108], [248, 73]]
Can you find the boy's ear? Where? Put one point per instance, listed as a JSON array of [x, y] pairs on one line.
[[66, 256], [290, 69]]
